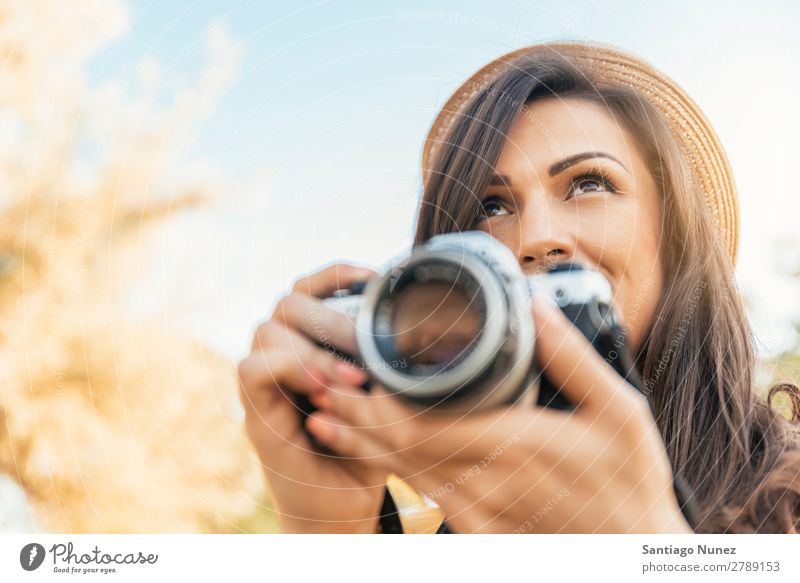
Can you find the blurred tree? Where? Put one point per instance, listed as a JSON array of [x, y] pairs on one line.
[[111, 424]]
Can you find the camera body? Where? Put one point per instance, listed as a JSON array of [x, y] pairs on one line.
[[449, 326]]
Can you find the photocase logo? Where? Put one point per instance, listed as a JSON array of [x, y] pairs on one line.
[[31, 556]]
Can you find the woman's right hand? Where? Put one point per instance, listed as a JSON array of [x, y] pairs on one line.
[[313, 492]]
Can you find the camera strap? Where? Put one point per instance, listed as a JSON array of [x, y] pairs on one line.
[[390, 518], [404, 510]]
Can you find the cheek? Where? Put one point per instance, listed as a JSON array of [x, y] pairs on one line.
[[605, 234], [620, 235], [507, 231], [637, 296], [635, 254]]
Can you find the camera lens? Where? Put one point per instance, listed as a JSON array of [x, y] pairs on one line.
[[434, 323], [449, 325]]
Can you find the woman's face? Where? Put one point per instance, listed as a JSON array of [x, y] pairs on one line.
[[572, 184]]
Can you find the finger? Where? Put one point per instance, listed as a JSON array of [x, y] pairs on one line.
[[271, 418], [326, 327], [359, 408], [420, 434], [324, 282], [376, 411], [312, 362], [571, 363], [347, 441], [289, 363], [310, 368], [383, 417]]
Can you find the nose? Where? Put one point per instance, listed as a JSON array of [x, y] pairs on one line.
[[545, 240]]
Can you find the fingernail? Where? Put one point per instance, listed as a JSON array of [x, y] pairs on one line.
[[320, 428], [348, 373], [321, 399]]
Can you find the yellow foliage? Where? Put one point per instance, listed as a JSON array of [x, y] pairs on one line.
[[109, 423]]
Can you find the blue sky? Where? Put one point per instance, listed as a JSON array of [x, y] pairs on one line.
[[324, 124], [312, 62]]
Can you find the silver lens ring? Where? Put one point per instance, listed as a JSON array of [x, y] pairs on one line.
[[490, 340]]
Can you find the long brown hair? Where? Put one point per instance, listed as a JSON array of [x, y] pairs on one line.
[[740, 457]]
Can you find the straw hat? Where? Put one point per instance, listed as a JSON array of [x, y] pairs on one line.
[[609, 66]]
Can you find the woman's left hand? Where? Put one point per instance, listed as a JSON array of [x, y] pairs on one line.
[[600, 468]]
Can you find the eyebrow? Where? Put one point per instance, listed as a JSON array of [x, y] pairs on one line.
[[558, 167]]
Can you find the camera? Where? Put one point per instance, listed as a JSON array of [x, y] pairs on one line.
[[448, 327]]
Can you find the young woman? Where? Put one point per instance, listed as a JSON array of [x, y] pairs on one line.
[[561, 152]]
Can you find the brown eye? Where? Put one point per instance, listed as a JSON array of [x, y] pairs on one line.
[[493, 207], [593, 182]]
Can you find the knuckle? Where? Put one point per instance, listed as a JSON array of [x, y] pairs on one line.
[[280, 306], [404, 440], [343, 439], [243, 372], [267, 334], [285, 307], [263, 368], [253, 423], [301, 285], [638, 402], [636, 414], [306, 283], [276, 368], [246, 402]]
